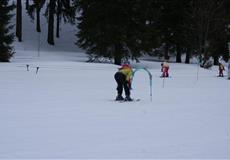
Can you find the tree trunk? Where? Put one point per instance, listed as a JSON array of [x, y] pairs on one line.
[[58, 26], [58, 19], [27, 4], [117, 60], [187, 58], [178, 55], [19, 20], [166, 52], [38, 27], [216, 60], [117, 55], [50, 38]]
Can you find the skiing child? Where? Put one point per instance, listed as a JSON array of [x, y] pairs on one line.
[[165, 69], [221, 70], [123, 78]]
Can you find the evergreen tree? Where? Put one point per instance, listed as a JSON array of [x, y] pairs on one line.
[[179, 27], [194, 27], [128, 29], [221, 36], [173, 23], [6, 38], [145, 27], [114, 28], [219, 46], [207, 19]]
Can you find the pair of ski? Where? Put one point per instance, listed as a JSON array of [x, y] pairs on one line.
[[122, 101]]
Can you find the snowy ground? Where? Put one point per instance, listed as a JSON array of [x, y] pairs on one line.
[[67, 111]]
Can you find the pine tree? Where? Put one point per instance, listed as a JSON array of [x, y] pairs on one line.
[[114, 28], [6, 38], [194, 27], [173, 21], [208, 19]]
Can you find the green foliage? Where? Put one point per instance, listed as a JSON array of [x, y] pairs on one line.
[[128, 29], [115, 28]]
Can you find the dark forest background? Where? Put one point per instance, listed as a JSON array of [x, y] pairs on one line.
[[125, 29]]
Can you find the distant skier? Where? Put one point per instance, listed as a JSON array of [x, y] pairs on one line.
[[221, 70], [165, 69], [123, 78]]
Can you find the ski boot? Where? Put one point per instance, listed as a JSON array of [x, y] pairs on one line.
[[119, 98], [128, 98]]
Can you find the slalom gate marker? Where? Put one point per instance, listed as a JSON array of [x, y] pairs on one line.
[[27, 67], [150, 78], [37, 68]]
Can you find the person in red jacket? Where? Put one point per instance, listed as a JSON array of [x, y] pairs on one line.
[[221, 70], [165, 69]]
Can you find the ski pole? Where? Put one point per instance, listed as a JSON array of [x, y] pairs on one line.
[[37, 70], [151, 92], [27, 67], [163, 82]]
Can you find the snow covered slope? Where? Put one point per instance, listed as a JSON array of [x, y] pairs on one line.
[[67, 111]]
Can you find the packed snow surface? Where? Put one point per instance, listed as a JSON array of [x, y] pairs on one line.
[[67, 110]]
